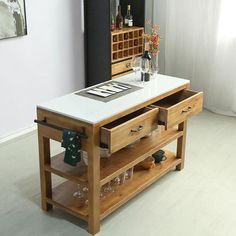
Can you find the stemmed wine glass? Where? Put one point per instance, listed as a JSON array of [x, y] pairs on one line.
[[135, 64], [116, 182], [78, 193], [108, 188], [145, 67], [129, 173], [82, 194], [85, 192]]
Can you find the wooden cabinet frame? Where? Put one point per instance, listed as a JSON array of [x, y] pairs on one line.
[[98, 36]]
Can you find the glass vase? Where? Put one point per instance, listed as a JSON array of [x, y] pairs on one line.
[[154, 64]]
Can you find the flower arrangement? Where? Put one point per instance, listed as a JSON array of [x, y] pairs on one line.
[[153, 38]]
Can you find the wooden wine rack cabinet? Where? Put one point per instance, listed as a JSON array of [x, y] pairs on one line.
[[125, 44]]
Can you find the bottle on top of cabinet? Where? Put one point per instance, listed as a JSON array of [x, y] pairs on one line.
[[119, 19], [129, 17], [113, 25]]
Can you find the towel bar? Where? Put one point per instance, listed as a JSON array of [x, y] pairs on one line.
[[44, 122]]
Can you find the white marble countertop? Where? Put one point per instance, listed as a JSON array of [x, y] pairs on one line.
[[92, 111]]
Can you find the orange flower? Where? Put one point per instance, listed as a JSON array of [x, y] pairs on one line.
[[153, 38]]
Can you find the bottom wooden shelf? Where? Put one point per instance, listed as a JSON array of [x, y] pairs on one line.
[[62, 195], [141, 180]]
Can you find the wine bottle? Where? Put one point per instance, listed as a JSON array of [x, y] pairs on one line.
[[113, 26], [146, 55], [119, 19], [128, 17]]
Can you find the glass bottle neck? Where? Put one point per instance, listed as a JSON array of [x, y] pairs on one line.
[[147, 47], [119, 10], [128, 10]]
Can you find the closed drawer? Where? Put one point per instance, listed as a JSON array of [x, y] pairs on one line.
[[179, 107], [121, 67], [130, 128]]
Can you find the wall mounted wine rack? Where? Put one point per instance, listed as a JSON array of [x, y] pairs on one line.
[[126, 43]]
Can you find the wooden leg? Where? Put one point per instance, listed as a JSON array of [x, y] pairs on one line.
[[94, 182], [181, 143], [45, 177]]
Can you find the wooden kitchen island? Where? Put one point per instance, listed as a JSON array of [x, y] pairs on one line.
[[163, 106]]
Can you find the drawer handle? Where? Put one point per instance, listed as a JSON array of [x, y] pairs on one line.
[[128, 65], [138, 129], [187, 109]]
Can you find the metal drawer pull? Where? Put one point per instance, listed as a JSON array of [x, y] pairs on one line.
[[138, 129], [187, 109]]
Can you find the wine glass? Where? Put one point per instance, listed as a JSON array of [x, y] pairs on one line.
[[108, 188], [135, 64], [129, 173], [78, 193], [82, 194], [85, 193], [116, 182], [144, 67], [154, 65]]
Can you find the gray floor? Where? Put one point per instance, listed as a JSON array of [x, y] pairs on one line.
[[199, 201]]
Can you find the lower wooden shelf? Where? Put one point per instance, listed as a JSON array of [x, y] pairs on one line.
[[118, 162], [62, 195], [72, 173], [129, 157]]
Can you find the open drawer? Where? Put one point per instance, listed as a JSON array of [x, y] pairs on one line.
[[130, 128], [179, 107]]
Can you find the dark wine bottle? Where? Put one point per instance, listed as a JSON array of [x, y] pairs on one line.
[[128, 17], [146, 55], [119, 19]]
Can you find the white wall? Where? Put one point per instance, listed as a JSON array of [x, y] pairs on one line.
[[156, 12], [149, 12], [159, 17], [46, 63]]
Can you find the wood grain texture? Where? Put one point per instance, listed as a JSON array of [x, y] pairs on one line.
[[179, 107], [141, 180], [126, 158], [45, 177], [121, 133], [121, 67], [122, 74], [181, 144], [118, 162], [62, 197], [125, 30], [141, 105], [175, 110], [93, 151], [61, 121], [90, 145], [58, 167], [126, 43]]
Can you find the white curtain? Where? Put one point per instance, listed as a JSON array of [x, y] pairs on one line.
[[200, 45]]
